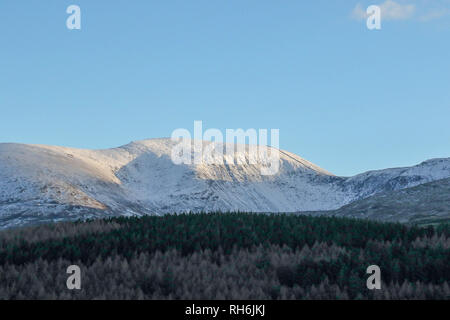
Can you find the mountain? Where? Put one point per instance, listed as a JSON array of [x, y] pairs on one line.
[[425, 203], [387, 180], [46, 183]]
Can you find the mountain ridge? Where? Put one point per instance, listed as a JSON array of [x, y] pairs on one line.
[[40, 183]]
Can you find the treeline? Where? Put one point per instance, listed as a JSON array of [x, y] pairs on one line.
[[225, 256]]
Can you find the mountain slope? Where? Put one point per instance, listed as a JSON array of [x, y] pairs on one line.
[[424, 203], [46, 183], [372, 182]]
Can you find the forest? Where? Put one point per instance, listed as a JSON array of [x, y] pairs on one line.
[[225, 256]]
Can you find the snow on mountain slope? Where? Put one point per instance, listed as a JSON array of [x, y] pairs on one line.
[[369, 183], [45, 183], [425, 203]]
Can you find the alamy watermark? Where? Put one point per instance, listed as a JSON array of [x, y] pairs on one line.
[[373, 17], [234, 150], [74, 280], [74, 20], [374, 281]]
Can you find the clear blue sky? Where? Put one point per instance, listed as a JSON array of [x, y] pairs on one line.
[[343, 97]]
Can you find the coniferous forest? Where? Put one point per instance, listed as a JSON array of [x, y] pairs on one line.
[[225, 256]]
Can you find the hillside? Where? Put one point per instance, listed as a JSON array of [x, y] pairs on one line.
[[421, 204], [225, 256]]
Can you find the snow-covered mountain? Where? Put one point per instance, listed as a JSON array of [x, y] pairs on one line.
[[45, 183], [422, 204]]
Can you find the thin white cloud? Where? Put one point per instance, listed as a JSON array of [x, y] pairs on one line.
[[390, 10], [359, 13], [419, 10]]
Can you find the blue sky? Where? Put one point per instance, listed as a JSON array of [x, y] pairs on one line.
[[344, 97]]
